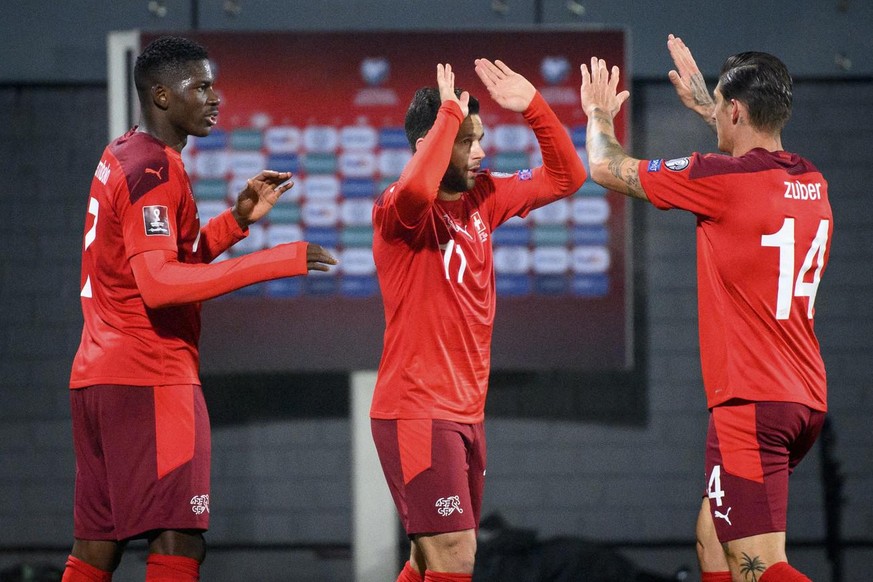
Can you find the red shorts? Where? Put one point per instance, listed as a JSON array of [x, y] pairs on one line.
[[142, 460], [435, 470], [751, 449]]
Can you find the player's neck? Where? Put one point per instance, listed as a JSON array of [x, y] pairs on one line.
[[164, 132], [767, 141], [448, 196]]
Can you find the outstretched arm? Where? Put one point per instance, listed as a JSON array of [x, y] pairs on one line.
[[688, 81], [420, 180], [163, 281], [562, 169], [610, 166]]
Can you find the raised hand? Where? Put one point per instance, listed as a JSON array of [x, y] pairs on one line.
[[446, 85], [599, 89], [259, 196], [688, 80], [509, 89], [318, 259]]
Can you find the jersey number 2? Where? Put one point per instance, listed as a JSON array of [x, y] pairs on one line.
[[788, 285], [93, 208]]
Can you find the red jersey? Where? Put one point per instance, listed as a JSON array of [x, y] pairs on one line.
[[140, 200], [764, 228], [436, 273]]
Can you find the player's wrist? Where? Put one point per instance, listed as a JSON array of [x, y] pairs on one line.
[[242, 222]]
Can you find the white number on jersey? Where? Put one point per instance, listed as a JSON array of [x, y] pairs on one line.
[[447, 260], [93, 208], [788, 285], [713, 489]]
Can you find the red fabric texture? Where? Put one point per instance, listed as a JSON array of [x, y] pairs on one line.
[[782, 572], [414, 439], [738, 441], [78, 571], [163, 568], [165, 282], [431, 576], [715, 577], [174, 426], [409, 574]]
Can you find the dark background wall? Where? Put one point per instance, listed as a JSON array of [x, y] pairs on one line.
[[281, 469]]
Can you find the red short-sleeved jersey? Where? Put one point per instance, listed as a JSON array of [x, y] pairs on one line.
[[437, 275], [140, 200], [764, 228]]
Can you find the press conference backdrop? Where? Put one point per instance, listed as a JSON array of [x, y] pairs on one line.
[[329, 107]]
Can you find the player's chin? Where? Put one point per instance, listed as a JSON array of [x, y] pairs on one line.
[[201, 130]]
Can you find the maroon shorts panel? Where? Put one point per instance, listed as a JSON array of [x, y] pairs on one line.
[[751, 450], [435, 470], [142, 460]]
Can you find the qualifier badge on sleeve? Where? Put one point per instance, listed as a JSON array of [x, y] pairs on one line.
[[156, 220]]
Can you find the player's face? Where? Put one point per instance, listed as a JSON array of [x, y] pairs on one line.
[[193, 103], [467, 154]]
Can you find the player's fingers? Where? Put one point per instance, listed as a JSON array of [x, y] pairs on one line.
[[676, 79], [262, 176], [321, 264], [594, 72], [482, 72], [275, 177], [602, 71], [317, 254], [503, 67], [622, 97], [284, 187], [488, 71], [324, 262], [613, 82], [586, 77]]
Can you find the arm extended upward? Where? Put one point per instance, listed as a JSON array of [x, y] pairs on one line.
[[610, 166]]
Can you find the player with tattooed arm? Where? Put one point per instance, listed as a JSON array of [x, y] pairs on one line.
[[764, 227]]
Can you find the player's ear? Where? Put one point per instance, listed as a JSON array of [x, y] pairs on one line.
[[418, 143], [737, 111], [160, 96]]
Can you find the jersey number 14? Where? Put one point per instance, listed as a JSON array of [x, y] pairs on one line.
[[788, 285]]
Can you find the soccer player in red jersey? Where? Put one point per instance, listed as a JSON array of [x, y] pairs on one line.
[[432, 248], [764, 228], [140, 427]]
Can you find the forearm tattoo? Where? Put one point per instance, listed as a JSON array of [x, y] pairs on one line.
[[750, 567], [702, 98], [698, 91], [603, 147]]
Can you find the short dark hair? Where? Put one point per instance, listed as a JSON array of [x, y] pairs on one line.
[[164, 57], [422, 112], [763, 83]]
